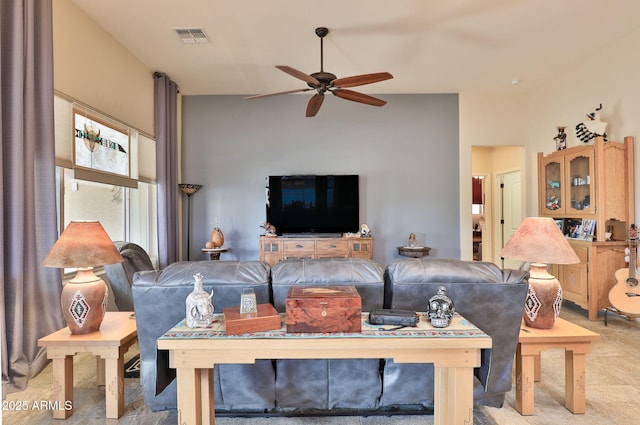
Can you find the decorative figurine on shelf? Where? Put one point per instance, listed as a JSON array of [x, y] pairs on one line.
[[269, 229], [561, 138], [365, 232], [553, 203], [199, 305], [440, 309], [591, 127]]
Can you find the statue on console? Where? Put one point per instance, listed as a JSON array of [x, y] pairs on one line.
[[365, 232], [269, 229]]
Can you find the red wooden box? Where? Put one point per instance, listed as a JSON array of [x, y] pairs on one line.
[[266, 319], [323, 309]]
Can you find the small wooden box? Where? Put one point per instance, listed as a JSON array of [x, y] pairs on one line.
[[323, 309], [267, 319]]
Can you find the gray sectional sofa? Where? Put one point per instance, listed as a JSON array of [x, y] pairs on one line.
[[489, 297]]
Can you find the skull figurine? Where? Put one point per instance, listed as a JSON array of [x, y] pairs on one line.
[[440, 309]]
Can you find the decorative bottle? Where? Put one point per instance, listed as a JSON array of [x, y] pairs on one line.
[[199, 312], [440, 309]]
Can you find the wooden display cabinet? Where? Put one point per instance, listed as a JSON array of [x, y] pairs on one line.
[[594, 182], [566, 188], [274, 249]]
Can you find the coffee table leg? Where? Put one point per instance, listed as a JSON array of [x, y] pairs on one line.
[[192, 388], [206, 391], [575, 381], [63, 386], [525, 377], [114, 387], [453, 395]]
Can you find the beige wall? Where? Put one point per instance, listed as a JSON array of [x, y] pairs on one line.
[[90, 66]]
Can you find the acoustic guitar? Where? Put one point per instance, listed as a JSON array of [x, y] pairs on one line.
[[625, 295]]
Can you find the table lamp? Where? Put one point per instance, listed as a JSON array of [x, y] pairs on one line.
[[83, 245], [540, 241]]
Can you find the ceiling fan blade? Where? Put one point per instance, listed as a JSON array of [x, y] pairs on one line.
[[359, 97], [299, 74], [278, 93], [360, 80], [314, 104]]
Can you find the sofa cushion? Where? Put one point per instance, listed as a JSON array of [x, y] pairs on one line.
[[329, 384]]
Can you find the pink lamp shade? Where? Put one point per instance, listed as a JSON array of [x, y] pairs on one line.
[[540, 241], [83, 245]]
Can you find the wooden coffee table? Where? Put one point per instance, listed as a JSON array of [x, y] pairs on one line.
[[454, 356], [575, 340], [117, 333]]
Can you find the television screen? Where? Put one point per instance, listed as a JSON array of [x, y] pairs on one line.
[[313, 204]]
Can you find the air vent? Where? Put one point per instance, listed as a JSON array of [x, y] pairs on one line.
[[192, 35]]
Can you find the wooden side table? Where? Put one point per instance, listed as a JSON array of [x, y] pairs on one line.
[[117, 333], [575, 340], [214, 253]]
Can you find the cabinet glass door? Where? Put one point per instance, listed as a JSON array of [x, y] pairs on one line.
[[580, 176], [553, 202]]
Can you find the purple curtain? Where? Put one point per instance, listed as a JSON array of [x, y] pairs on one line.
[[166, 94], [30, 293]]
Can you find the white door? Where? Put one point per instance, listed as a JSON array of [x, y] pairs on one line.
[[509, 210]]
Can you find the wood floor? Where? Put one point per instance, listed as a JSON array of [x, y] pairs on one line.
[[613, 389]]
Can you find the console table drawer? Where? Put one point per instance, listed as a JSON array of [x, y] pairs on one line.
[[299, 249], [332, 249]]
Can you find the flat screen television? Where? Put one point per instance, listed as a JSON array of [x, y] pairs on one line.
[[312, 204]]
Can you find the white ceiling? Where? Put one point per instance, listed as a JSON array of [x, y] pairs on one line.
[[430, 46]]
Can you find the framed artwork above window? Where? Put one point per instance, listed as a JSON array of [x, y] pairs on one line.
[[100, 145]]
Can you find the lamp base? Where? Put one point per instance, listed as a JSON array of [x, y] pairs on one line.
[[544, 298], [84, 302]]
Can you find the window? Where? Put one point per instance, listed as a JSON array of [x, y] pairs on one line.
[[126, 214], [123, 200]]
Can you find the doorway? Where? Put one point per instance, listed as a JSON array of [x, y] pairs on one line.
[[477, 214], [501, 211], [509, 210]]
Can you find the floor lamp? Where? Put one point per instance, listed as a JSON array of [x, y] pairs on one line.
[[189, 189]]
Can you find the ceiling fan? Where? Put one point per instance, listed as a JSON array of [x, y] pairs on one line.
[[323, 82]]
